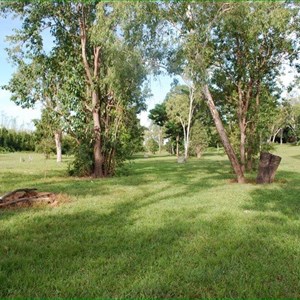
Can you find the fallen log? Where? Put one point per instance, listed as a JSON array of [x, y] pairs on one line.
[[23, 190], [31, 199], [26, 195]]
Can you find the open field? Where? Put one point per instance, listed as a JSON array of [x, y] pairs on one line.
[[165, 230]]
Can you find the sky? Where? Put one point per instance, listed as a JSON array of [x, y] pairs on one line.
[[12, 115]]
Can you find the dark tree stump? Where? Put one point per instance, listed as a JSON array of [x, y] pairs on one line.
[[268, 164]]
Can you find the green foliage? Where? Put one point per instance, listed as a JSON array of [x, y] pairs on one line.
[[249, 44], [82, 165], [46, 146], [12, 140], [68, 145], [199, 139], [60, 77], [159, 114], [152, 145], [177, 105]]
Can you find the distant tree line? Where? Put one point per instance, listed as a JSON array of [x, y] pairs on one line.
[[12, 140]]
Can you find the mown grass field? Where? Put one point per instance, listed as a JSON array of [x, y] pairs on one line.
[[165, 230]]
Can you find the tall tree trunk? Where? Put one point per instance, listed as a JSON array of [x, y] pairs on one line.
[[191, 111], [223, 136], [281, 136], [57, 137], [98, 156], [242, 145], [92, 73], [243, 101], [249, 159], [185, 141], [160, 139], [177, 146], [275, 134]]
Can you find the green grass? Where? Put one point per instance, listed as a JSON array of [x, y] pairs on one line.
[[166, 230]]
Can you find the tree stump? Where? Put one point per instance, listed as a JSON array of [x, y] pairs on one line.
[[268, 164]]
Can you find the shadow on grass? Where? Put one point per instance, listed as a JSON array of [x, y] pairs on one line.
[[93, 254], [282, 198], [189, 178]]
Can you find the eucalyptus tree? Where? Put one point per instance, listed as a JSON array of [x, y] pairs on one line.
[[180, 107], [172, 130], [182, 30], [235, 49], [250, 44], [199, 139], [99, 76]]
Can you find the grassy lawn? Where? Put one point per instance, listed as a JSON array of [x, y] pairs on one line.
[[165, 230]]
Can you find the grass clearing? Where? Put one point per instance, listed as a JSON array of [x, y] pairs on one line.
[[166, 230]]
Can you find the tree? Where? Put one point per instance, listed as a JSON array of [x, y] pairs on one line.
[[12, 140], [159, 116], [219, 41], [171, 130], [188, 28], [154, 132], [179, 108], [152, 145], [87, 71], [199, 139], [48, 134], [250, 43]]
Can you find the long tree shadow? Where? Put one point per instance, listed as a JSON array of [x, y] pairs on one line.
[[107, 255], [283, 198], [144, 173]]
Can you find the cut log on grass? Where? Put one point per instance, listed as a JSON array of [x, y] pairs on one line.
[[26, 196], [268, 164], [17, 194]]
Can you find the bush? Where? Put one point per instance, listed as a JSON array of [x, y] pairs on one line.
[[152, 145], [199, 139], [82, 165], [46, 146]]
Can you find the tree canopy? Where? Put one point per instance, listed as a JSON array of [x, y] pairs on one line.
[[230, 54]]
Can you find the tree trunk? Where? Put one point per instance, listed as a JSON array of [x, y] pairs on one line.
[[186, 146], [242, 147], [57, 137], [177, 146], [191, 111], [160, 140], [275, 134], [98, 156], [249, 159], [92, 73], [281, 136], [268, 165], [223, 136], [273, 138]]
